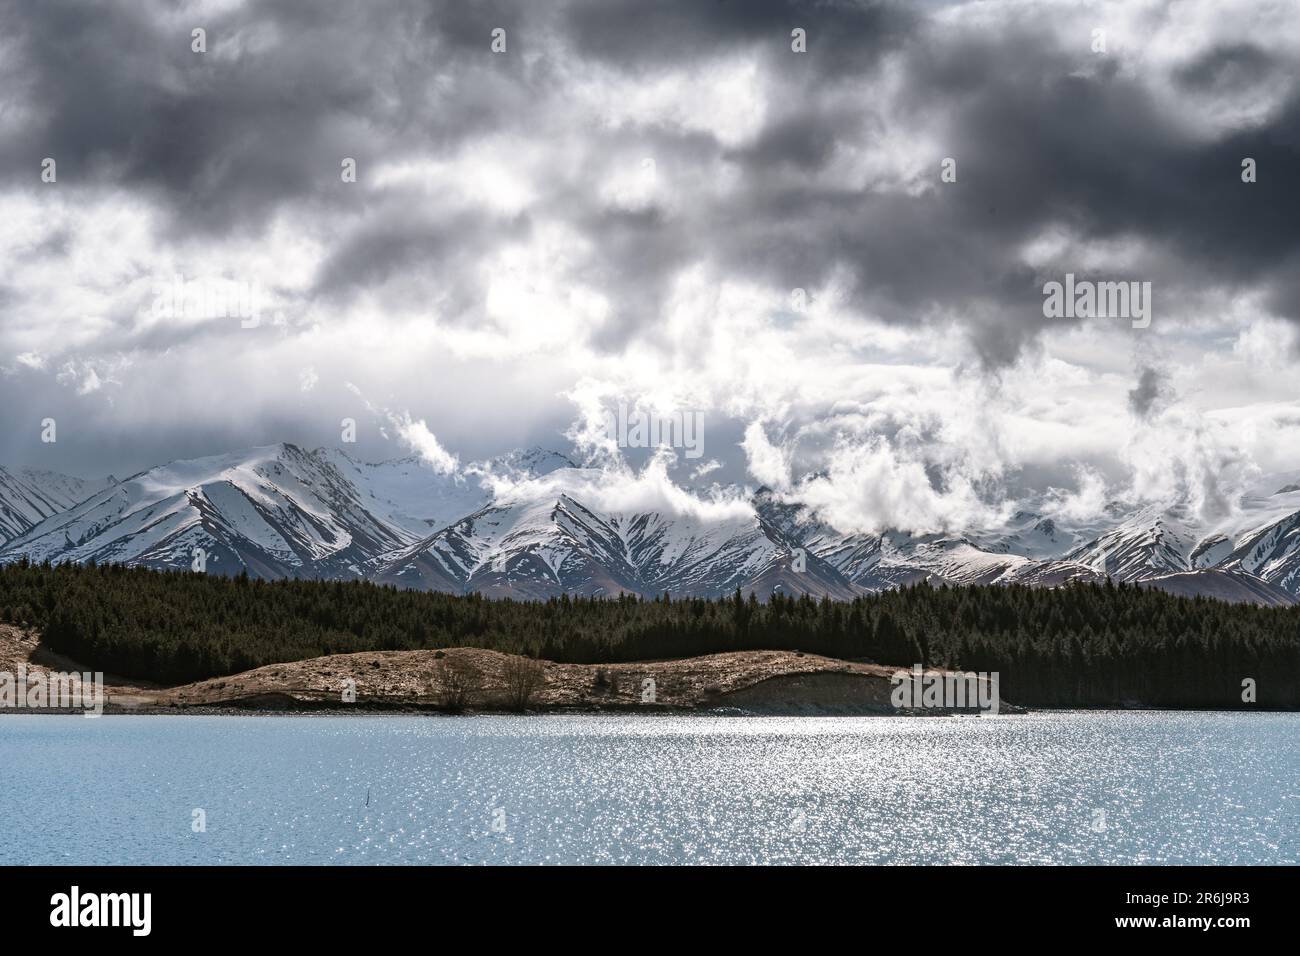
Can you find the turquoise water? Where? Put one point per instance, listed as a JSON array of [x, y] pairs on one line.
[[1096, 787]]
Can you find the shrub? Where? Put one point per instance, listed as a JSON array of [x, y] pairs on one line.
[[523, 677], [460, 681]]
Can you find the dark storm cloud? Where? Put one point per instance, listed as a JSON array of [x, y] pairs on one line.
[[1151, 388], [1045, 134], [399, 240], [1041, 143], [846, 36], [1229, 67], [1097, 152], [805, 141], [640, 256], [1042, 134], [284, 92]]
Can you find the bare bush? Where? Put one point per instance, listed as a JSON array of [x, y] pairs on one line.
[[524, 677], [605, 681], [460, 681]]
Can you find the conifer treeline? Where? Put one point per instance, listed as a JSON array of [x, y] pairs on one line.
[[1078, 645]]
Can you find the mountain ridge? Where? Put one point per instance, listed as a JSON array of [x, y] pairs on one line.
[[533, 524]]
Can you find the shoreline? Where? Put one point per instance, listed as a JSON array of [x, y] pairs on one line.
[[234, 711], [475, 681], [406, 710]]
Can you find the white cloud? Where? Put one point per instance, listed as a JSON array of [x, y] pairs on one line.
[[768, 463], [424, 443]]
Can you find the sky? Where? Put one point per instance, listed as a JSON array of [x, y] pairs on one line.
[[824, 228]]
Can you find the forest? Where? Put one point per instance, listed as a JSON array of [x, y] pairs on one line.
[[1079, 645]]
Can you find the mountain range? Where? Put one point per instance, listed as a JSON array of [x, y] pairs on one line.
[[533, 524]]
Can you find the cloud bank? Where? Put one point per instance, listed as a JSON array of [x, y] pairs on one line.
[[664, 205]]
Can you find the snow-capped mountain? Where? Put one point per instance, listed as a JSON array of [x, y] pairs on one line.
[[1148, 544], [1034, 535], [878, 562], [1271, 553], [533, 524], [28, 496], [543, 540], [406, 492], [528, 547], [276, 511]]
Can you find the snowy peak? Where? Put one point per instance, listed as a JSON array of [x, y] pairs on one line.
[[408, 493], [529, 547], [542, 543], [531, 524], [1150, 543], [1031, 535], [1271, 553], [532, 462], [274, 511], [29, 495]]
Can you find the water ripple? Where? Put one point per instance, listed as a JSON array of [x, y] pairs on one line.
[[1097, 787]]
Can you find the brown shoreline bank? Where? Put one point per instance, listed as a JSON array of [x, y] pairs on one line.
[[473, 680]]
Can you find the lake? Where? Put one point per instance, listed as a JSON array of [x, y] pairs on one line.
[[1064, 787]]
